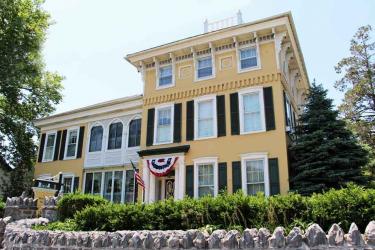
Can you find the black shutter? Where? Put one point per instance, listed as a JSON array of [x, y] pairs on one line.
[[62, 148], [150, 127], [222, 176], [177, 122], [189, 181], [234, 114], [41, 147], [57, 146], [80, 141], [273, 169], [236, 176], [190, 120], [268, 108], [76, 184], [220, 109]]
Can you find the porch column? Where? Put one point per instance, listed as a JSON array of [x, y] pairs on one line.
[[152, 188], [176, 182], [181, 177], [146, 179]]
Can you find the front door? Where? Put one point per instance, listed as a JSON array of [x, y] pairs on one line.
[[169, 188]]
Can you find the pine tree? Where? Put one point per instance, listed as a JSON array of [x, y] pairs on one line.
[[325, 153]]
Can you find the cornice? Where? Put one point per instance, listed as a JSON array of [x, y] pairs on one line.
[[212, 89]]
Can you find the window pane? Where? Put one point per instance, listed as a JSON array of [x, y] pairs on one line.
[[107, 185], [255, 176], [72, 143], [205, 119], [88, 183], [134, 133], [97, 183], [251, 112], [117, 186], [165, 75], [248, 63], [115, 135], [96, 139], [164, 125], [68, 183], [204, 67], [48, 155], [248, 58], [205, 180], [51, 140], [129, 186]]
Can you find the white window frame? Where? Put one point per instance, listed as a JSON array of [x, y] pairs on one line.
[[128, 129], [157, 108], [255, 156], [196, 59], [158, 67], [262, 115], [289, 114], [214, 129], [68, 175], [116, 120], [96, 124], [239, 48], [67, 143], [45, 146], [202, 161]]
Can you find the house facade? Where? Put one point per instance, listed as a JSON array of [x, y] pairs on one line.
[[216, 113]]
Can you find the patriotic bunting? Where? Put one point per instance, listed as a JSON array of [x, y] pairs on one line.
[[161, 166]]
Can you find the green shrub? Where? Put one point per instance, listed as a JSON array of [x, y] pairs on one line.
[[2, 208], [237, 211], [72, 203], [67, 225]]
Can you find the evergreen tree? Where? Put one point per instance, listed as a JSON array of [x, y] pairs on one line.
[[325, 153]]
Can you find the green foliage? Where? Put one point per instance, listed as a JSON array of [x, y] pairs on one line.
[[27, 90], [2, 207], [325, 153], [67, 225], [72, 203], [237, 211]]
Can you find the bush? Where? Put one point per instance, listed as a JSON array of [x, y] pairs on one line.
[[2, 208], [238, 211], [72, 203], [67, 225]]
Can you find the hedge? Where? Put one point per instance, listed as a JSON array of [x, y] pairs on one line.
[[2, 208], [70, 204], [352, 204]]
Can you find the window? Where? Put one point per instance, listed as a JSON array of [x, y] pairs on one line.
[[71, 144], [165, 76], [252, 111], [115, 135], [68, 184], [255, 173], [248, 58], [205, 118], [289, 111], [49, 147], [134, 133], [164, 117], [112, 183], [96, 139], [205, 177], [204, 67]]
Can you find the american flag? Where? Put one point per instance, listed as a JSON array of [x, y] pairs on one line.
[[137, 177]]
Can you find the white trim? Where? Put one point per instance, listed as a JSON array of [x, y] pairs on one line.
[[157, 74], [162, 106], [247, 46], [196, 59], [183, 67], [45, 146], [220, 58], [255, 156], [196, 103], [134, 117], [68, 175], [113, 121], [95, 124], [67, 143], [261, 106], [206, 160]]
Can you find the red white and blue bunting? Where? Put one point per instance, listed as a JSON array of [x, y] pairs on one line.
[[161, 166]]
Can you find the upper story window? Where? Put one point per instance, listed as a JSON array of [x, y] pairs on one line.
[[115, 135], [71, 144], [248, 58], [96, 138], [204, 67], [49, 148], [205, 118], [165, 76], [164, 117], [134, 133], [251, 111]]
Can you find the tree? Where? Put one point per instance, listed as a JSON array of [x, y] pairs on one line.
[[325, 153], [358, 83], [27, 90]]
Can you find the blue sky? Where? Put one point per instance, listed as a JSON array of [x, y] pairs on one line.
[[90, 38]]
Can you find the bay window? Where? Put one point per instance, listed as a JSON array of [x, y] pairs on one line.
[[134, 133], [96, 138], [164, 118], [251, 111], [49, 148], [115, 136]]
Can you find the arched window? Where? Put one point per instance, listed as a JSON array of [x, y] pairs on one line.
[[115, 135], [134, 133], [96, 139]]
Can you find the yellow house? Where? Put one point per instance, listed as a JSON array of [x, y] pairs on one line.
[[218, 108], [216, 114]]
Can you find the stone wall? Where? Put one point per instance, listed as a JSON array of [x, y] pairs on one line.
[[19, 235], [21, 207]]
